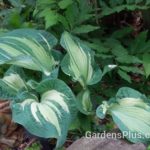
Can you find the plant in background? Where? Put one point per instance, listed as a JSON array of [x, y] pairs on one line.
[[124, 51], [111, 7], [16, 13], [71, 15]]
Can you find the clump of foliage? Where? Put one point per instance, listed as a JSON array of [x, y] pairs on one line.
[[59, 74], [16, 13]]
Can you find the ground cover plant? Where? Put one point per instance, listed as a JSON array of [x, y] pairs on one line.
[[71, 66]]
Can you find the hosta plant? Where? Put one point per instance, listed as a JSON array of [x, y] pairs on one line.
[[45, 104], [45, 108], [130, 111]]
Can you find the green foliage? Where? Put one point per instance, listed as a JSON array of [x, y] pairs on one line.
[[16, 13], [110, 7], [55, 84], [126, 56], [69, 14]]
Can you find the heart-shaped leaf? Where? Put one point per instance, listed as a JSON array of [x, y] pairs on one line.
[[50, 116]]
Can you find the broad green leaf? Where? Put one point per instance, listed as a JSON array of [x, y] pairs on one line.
[[129, 59], [130, 110], [146, 64], [50, 116], [85, 29], [79, 61], [84, 102], [71, 14], [124, 75], [132, 69], [122, 32], [107, 11], [64, 3], [51, 20], [139, 42], [97, 46], [29, 51], [50, 16], [85, 12], [119, 51]]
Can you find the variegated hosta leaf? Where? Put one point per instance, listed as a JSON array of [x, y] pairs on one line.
[[50, 116], [31, 51], [10, 86], [79, 61], [84, 102], [130, 112]]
